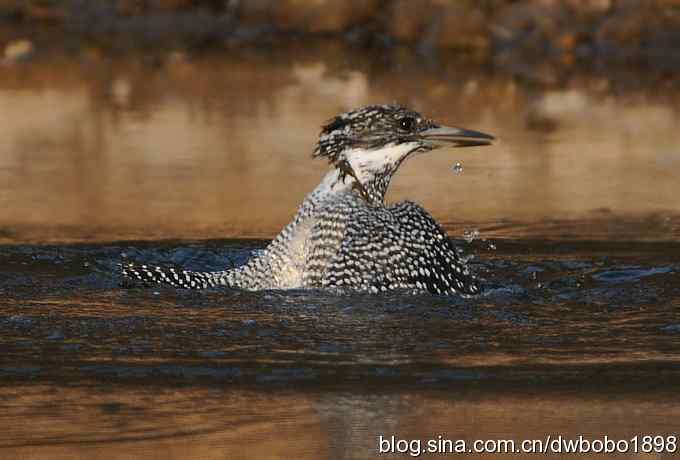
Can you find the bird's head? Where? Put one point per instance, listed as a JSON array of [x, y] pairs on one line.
[[369, 144]]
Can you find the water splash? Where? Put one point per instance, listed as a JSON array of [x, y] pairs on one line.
[[458, 168], [471, 235]]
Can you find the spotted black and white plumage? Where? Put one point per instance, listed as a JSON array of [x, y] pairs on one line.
[[169, 275], [398, 247], [344, 235]]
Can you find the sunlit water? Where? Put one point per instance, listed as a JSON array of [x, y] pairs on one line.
[[219, 146], [571, 222]]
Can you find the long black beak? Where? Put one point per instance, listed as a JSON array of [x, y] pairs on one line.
[[442, 136]]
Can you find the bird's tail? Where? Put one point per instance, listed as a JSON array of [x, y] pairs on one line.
[[150, 275]]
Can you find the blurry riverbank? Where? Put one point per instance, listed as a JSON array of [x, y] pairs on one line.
[[507, 33]]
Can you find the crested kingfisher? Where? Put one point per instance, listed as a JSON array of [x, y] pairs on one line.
[[344, 235]]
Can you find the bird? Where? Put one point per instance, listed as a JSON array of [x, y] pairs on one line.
[[344, 236]]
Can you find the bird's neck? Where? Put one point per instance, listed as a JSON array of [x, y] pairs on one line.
[[373, 185], [366, 172], [370, 170], [338, 181]]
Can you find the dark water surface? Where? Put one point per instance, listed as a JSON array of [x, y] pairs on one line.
[[184, 159], [568, 338]]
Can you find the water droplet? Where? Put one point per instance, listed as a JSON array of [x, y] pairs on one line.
[[458, 168], [470, 235]]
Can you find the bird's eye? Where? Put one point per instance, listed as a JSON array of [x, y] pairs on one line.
[[407, 123]]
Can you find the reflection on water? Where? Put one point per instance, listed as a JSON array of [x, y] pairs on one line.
[[219, 145], [574, 336], [93, 421]]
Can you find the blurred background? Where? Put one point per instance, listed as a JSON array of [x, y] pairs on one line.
[[136, 119], [181, 132]]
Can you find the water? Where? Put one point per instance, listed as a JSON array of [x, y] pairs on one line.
[[567, 334], [219, 146], [560, 305], [571, 223]]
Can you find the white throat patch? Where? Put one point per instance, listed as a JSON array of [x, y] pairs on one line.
[[366, 163]]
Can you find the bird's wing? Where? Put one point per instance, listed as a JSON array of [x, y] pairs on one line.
[[400, 247]]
